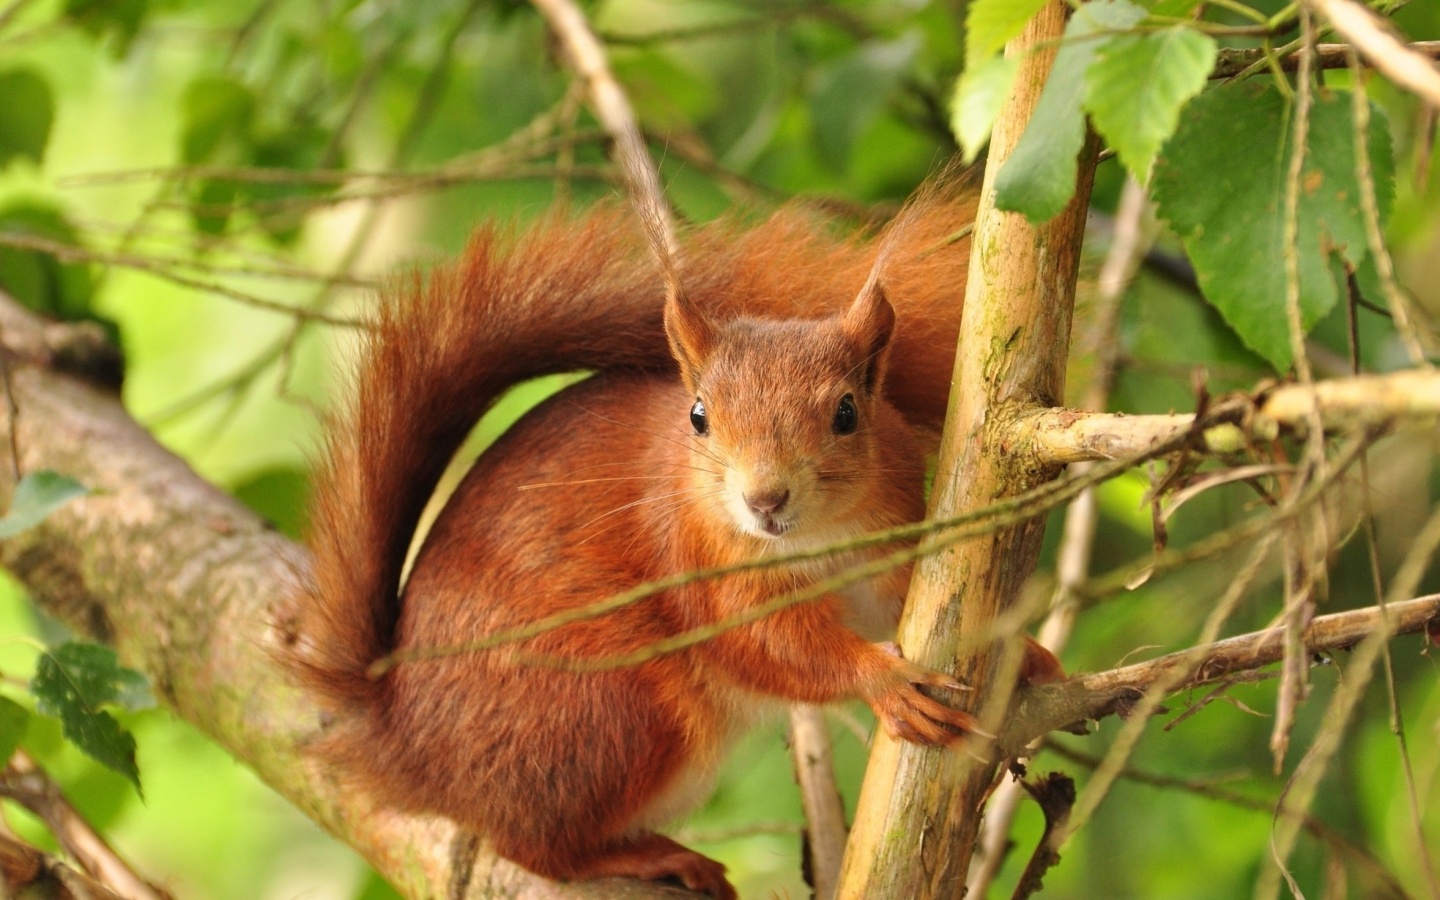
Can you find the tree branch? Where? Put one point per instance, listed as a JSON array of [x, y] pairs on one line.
[[1014, 338], [1069, 435], [819, 796], [1374, 40], [1231, 62], [1040, 710], [27, 784], [27, 872]]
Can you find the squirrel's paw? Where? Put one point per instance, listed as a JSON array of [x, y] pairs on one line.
[[908, 714]]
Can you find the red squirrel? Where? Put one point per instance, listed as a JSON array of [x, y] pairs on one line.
[[772, 405]]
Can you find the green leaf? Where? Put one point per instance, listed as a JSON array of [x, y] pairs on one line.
[[1039, 178], [122, 18], [1221, 183], [36, 278], [218, 114], [280, 495], [212, 202], [1137, 85], [301, 145], [14, 721], [979, 94], [72, 682], [990, 23], [851, 94], [36, 496], [29, 113]]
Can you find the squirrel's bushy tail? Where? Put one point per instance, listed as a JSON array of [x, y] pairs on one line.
[[561, 296]]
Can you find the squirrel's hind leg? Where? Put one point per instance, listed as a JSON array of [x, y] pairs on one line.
[[654, 857], [647, 856]]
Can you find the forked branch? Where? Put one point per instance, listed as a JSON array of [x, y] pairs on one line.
[[1040, 710]]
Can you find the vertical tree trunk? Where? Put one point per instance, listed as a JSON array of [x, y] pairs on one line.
[[919, 809]]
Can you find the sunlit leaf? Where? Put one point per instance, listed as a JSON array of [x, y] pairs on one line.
[[1221, 183], [36, 496], [979, 94], [1039, 178], [990, 23], [1137, 85]]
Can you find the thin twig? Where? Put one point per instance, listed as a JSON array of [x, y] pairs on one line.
[[819, 797], [27, 784], [1304, 533], [1387, 620], [1384, 266], [1371, 36], [1209, 790], [1165, 685], [1004, 512], [71, 254], [1230, 62], [615, 114]]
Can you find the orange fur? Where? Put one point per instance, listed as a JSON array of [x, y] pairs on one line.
[[607, 485]]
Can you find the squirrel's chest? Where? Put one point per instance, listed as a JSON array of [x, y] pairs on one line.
[[872, 607]]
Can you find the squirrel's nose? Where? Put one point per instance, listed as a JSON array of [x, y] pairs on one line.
[[767, 502]]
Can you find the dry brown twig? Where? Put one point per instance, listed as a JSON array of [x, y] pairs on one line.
[[27, 784], [825, 830], [27, 872]]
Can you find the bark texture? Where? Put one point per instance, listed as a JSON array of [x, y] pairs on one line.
[[919, 810]]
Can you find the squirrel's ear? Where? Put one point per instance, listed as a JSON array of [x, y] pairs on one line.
[[691, 333], [868, 324]]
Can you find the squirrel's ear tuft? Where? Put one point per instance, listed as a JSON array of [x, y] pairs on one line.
[[692, 334], [868, 324]]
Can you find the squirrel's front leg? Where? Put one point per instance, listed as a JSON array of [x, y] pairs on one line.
[[805, 653]]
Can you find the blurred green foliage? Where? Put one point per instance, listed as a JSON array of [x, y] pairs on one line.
[[300, 153]]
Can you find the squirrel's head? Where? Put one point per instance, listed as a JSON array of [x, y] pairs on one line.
[[785, 413]]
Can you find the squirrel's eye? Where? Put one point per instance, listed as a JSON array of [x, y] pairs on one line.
[[846, 416], [697, 417]]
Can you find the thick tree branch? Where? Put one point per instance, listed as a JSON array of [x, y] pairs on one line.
[[1013, 344]]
